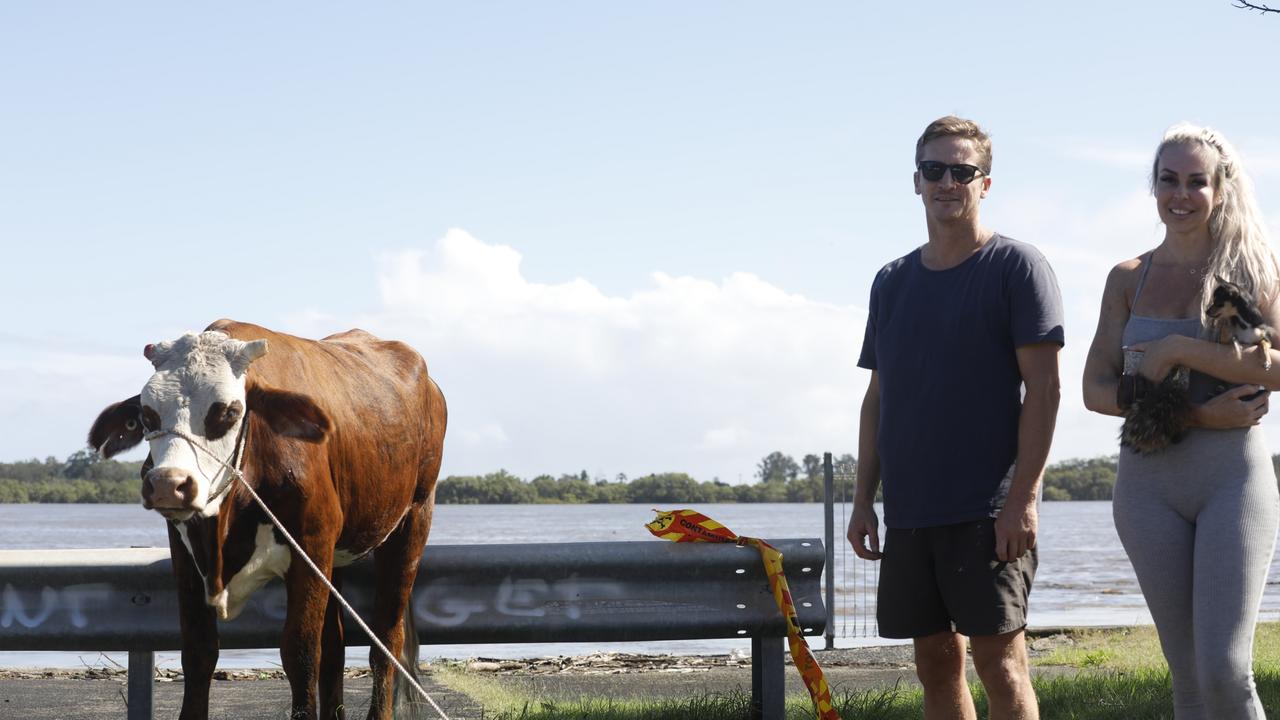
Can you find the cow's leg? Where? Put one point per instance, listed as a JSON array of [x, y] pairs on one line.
[[405, 695], [332, 658], [199, 631], [396, 566], [308, 600]]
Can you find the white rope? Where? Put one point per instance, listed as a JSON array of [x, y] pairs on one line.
[[237, 474]]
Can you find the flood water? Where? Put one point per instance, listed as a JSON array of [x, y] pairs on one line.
[[1084, 578]]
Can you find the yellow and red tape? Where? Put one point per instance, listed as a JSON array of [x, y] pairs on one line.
[[693, 526]]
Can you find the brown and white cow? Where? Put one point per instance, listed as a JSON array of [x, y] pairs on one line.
[[342, 441]]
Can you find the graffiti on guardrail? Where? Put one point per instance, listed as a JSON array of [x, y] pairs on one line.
[[445, 603], [31, 610], [448, 603]]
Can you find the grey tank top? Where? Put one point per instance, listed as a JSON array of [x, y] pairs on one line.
[[1145, 329]]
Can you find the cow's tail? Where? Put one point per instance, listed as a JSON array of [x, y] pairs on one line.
[[406, 702]]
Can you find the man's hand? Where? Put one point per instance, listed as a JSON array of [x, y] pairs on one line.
[[864, 526], [1015, 529]]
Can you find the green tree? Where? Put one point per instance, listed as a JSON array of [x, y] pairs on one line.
[[1092, 479], [812, 467], [664, 488], [776, 467], [80, 463]]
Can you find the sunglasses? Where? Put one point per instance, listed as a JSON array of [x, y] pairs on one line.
[[933, 171]]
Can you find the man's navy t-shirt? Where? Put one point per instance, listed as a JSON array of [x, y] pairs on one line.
[[943, 344]]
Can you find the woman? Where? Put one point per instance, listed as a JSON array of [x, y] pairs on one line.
[[1197, 519]]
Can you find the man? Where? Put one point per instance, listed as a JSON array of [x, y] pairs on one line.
[[957, 329]]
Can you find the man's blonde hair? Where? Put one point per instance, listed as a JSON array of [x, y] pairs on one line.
[[952, 126]]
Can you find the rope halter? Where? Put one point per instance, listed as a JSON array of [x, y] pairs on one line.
[[237, 455]]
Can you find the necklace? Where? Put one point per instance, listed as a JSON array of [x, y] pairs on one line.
[[1193, 270]]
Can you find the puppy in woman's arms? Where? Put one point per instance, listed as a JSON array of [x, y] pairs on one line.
[[1237, 319], [1157, 415]]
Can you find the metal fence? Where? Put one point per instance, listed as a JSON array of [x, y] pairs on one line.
[[850, 589]]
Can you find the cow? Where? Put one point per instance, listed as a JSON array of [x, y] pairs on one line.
[[340, 437]]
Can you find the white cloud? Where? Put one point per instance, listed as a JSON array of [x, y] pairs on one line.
[[722, 437], [685, 374], [484, 436]]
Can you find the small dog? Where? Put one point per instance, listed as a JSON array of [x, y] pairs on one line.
[[1157, 415], [1237, 318]]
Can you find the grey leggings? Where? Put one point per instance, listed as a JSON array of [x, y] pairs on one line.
[[1198, 521]]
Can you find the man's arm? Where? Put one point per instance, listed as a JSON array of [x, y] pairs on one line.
[[1018, 521], [863, 523]]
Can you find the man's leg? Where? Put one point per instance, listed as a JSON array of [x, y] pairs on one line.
[[987, 599], [940, 667], [1001, 662]]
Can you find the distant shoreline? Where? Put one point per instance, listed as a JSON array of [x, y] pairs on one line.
[[84, 478]]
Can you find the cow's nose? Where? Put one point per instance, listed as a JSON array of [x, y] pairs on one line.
[[166, 488]]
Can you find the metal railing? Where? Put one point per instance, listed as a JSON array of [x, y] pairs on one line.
[[124, 600], [851, 582]]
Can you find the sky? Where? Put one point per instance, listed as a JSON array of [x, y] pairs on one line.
[[627, 237]]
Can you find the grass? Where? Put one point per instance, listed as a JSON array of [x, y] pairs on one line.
[[1138, 648], [1122, 676], [485, 690]]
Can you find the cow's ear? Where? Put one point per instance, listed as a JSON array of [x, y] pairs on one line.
[[288, 413], [118, 427], [241, 354]]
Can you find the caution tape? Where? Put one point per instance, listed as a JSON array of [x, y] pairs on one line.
[[693, 526]]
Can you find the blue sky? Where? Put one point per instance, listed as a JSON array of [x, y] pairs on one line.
[[626, 237]]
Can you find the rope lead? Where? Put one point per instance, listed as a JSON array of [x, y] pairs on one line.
[[236, 473]]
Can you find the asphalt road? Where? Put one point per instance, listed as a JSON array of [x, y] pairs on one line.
[[93, 696], [62, 698]]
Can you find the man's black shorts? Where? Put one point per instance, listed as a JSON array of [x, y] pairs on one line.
[[948, 578]]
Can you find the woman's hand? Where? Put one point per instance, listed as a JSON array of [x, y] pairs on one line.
[[1231, 409], [1158, 357]]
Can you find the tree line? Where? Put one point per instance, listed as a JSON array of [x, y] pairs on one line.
[[85, 478], [778, 478]]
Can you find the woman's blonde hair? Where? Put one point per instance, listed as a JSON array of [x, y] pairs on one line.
[[1241, 251]]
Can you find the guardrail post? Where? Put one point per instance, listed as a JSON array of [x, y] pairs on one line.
[[142, 673], [768, 686]]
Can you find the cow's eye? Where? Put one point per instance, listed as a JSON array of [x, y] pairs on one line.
[[221, 417]]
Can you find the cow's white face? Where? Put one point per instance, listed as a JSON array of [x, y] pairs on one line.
[[198, 390]]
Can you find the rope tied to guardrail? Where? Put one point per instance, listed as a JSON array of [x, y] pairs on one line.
[[693, 526]]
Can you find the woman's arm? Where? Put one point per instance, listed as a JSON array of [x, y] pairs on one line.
[[1105, 361], [1211, 358]]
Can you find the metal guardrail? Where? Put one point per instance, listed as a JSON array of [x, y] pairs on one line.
[[124, 600]]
